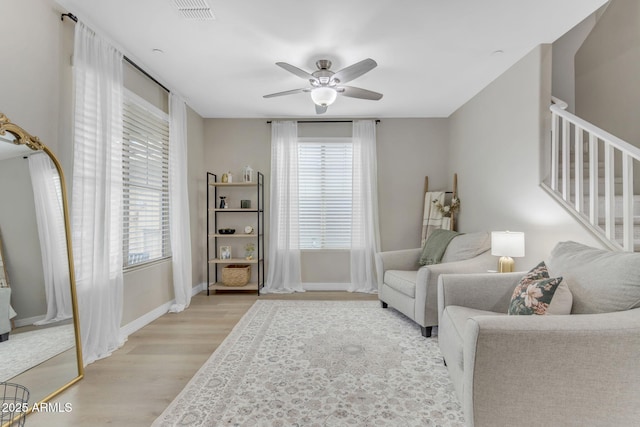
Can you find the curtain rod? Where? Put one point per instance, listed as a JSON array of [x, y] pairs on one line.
[[136, 66], [324, 121]]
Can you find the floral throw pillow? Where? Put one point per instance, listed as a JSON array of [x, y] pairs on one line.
[[534, 292]]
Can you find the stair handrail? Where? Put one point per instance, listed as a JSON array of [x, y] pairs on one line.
[[562, 160], [593, 129]]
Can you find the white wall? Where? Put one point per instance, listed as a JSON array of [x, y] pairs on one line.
[[495, 142]]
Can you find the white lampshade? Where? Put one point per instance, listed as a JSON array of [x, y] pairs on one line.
[[507, 243], [323, 96]]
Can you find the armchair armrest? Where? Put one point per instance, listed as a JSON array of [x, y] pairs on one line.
[[427, 280], [582, 369], [484, 291], [404, 259]]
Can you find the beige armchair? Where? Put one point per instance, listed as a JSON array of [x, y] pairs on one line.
[[412, 289], [580, 369]]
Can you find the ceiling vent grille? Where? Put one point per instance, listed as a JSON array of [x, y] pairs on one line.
[[194, 9]]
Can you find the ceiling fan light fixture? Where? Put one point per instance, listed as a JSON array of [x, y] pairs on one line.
[[323, 96]]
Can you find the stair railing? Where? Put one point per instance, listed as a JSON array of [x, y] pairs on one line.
[[576, 142]]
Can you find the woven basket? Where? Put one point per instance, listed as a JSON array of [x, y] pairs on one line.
[[236, 274]]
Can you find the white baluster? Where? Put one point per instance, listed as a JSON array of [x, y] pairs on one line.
[[609, 191], [627, 202], [579, 166], [593, 179], [566, 157], [554, 151]]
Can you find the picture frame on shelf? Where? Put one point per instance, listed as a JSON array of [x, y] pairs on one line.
[[225, 252]]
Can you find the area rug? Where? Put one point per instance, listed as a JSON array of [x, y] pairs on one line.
[[25, 350], [320, 363]]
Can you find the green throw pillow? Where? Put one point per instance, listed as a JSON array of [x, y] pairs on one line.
[[534, 292]]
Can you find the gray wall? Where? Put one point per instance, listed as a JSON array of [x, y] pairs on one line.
[[495, 145], [492, 142], [37, 95], [564, 51], [20, 242], [607, 68], [408, 149]]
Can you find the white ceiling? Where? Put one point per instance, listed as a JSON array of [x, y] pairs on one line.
[[432, 55]]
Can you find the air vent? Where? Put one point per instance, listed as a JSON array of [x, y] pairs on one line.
[[194, 9]]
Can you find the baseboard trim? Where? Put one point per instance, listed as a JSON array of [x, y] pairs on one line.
[[152, 315], [325, 286], [27, 321]]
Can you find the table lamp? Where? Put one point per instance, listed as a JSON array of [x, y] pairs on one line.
[[507, 244]]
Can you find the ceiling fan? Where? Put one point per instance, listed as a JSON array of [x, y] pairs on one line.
[[326, 85]]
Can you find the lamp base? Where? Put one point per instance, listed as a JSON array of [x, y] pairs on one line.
[[506, 264]]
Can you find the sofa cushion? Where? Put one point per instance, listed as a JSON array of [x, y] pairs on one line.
[[402, 281], [466, 246], [600, 281]]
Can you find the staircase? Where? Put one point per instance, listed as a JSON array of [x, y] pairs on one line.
[[592, 176]]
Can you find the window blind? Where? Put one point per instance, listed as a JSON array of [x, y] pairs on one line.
[[325, 191], [145, 170]]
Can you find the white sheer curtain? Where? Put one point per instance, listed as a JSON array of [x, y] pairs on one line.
[[365, 234], [284, 244], [97, 192], [179, 204], [47, 196]]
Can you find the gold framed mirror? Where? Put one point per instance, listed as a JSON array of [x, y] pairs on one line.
[[43, 351]]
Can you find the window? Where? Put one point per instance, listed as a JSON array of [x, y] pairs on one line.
[[324, 173], [145, 170]]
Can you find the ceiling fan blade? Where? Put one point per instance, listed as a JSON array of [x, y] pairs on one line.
[[297, 71], [355, 70], [356, 92], [321, 109], [286, 92]]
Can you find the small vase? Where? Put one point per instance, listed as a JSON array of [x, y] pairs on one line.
[[247, 174]]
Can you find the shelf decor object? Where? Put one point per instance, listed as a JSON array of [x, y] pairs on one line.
[[236, 275], [223, 219], [247, 174]]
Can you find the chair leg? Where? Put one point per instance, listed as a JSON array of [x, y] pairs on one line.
[[426, 331], [384, 304]]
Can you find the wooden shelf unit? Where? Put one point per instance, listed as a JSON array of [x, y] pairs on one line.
[[214, 237]]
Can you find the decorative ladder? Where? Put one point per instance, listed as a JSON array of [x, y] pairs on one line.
[[599, 193]]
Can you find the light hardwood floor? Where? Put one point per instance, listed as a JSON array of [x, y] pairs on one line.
[[135, 384]]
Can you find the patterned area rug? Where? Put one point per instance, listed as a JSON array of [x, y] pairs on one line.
[[25, 350], [320, 363]]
